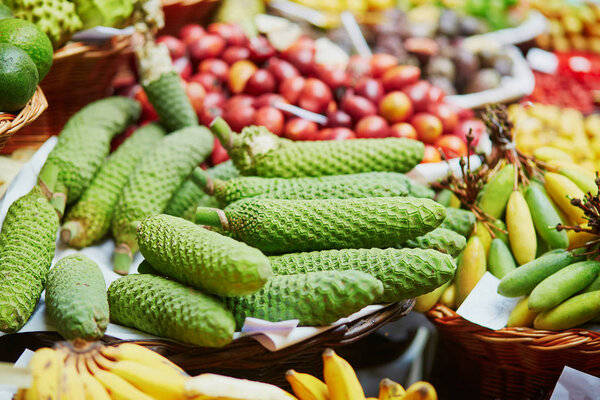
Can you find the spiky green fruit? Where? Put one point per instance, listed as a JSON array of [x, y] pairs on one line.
[[189, 196], [56, 18], [83, 146], [89, 220], [459, 221], [315, 298], [27, 244], [76, 299], [278, 226], [200, 258], [152, 184], [169, 309], [440, 239], [405, 273], [256, 151]]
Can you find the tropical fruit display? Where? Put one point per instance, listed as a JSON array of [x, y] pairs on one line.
[[535, 232]]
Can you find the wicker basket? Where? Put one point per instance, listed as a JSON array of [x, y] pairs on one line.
[[512, 363], [80, 73], [181, 12], [245, 357], [10, 124]]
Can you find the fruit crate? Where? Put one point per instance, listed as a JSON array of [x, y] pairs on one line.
[[80, 73], [11, 124], [181, 12], [244, 357], [511, 363]]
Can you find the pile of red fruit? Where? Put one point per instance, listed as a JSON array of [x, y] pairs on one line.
[[244, 80]]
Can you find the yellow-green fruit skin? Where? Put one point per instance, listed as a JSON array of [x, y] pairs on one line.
[[559, 187], [494, 197], [459, 221], [27, 244], [76, 298], [521, 230], [500, 259], [440, 239], [167, 308], [521, 315], [426, 301], [471, 268], [200, 258], [280, 226], [94, 210], [571, 313], [545, 217]]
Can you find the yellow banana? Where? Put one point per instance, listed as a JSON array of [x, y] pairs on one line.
[[211, 386], [449, 296], [559, 188], [390, 390], [306, 386], [118, 387], [70, 386], [561, 164], [583, 181], [420, 391], [471, 268], [161, 383], [93, 389], [521, 231], [547, 153], [134, 352], [46, 367], [341, 378]]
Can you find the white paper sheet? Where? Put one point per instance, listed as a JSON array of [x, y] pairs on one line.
[[576, 385], [7, 392], [485, 307]]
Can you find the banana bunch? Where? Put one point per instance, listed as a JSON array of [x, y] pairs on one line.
[[341, 383]]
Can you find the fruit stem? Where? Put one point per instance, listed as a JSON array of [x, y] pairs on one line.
[[70, 231], [123, 259], [203, 181], [223, 132], [212, 217]]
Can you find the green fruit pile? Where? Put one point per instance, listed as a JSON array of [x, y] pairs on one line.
[[25, 59]]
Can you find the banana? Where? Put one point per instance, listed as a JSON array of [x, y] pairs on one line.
[[46, 367], [390, 390], [521, 230], [70, 386], [154, 379], [340, 378], [560, 188], [93, 389], [118, 387], [134, 352], [583, 181], [306, 386], [420, 391], [211, 386]]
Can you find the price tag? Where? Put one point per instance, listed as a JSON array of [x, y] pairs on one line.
[[485, 307], [574, 384]]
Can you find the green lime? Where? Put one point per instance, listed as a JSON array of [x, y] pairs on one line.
[[18, 77], [29, 38], [5, 12]]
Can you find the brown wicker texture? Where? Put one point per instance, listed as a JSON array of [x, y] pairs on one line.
[[513, 363], [181, 12], [10, 123], [80, 74], [245, 357]]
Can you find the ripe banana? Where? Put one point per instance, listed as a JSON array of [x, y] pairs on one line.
[[93, 389], [46, 367], [560, 188], [211, 386], [390, 390], [70, 386], [340, 378], [118, 387], [306, 386], [420, 391], [133, 352]]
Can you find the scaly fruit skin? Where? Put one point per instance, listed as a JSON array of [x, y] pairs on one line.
[[89, 220], [200, 258], [27, 244], [258, 152], [150, 187], [314, 298], [459, 221], [76, 298], [440, 239], [405, 273], [83, 146], [521, 230], [340, 378], [171, 103], [189, 196], [278, 226], [306, 386], [167, 308]]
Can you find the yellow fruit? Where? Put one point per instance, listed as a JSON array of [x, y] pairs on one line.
[[547, 153], [471, 268], [484, 236], [521, 315], [579, 239], [449, 296], [592, 125], [307, 387], [424, 302], [390, 390], [569, 165], [521, 231], [340, 378], [420, 391], [212, 386], [560, 188]]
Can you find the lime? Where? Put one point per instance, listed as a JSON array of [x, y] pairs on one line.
[[18, 77], [29, 38], [5, 12]]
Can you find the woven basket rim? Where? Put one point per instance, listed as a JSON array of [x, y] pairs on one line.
[[33, 109], [99, 50], [577, 339]]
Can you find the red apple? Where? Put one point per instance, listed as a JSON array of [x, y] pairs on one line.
[[333, 76], [397, 78], [218, 68], [176, 47], [148, 112], [260, 49], [403, 130], [428, 127], [281, 69], [338, 118], [271, 118], [208, 114], [435, 95], [417, 93], [358, 67], [209, 46], [372, 126], [395, 107], [370, 88], [290, 88], [381, 62], [315, 96], [235, 53], [232, 33], [300, 56], [475, 126], [219, 153], [452, 146], [195, 93], [341, 133], [239, 100], [358, 107], [183, 66], [214, 99], [191, 33], [300, 129], [262, 81], [322, 134], [268, 99], [446, 114], [210, 82], [432, 155], [239, 117]]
